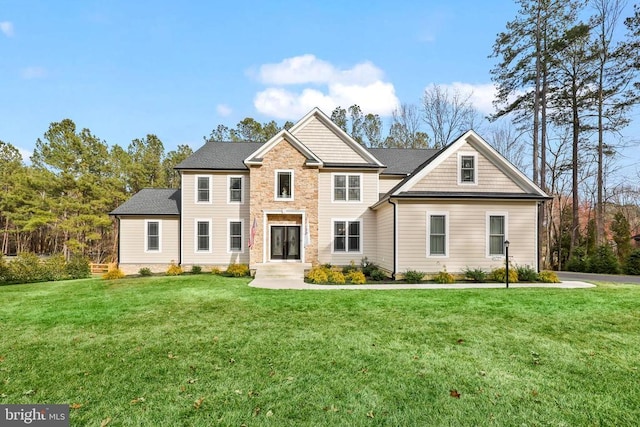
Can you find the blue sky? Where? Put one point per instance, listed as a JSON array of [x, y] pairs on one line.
[[177, 69]]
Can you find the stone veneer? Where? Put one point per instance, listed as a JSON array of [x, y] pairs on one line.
[[305, 198]]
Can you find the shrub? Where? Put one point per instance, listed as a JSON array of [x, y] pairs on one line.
[[145, 272], [548, 277], [412, 276], [377, 275], [196, 269], [476, 274], [78, 267], [216, 271], [113, 274], [444, 277], [356, 277], [578, 261], [335, 277], [500, 275], [318, 275], [526, 274], [632, 265], [174, 269], [54, 268], [367, 266], [349, 268], [238, 270], [4, 270], [603, 261], [26, 268]]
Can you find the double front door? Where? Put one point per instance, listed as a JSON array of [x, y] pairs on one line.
[[285, 242]]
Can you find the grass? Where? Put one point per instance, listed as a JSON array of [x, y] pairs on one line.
[[207, 350]]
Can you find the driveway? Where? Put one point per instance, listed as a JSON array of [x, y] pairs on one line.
[[592, 277]]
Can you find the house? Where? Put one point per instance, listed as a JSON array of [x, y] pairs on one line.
[[313, 195]]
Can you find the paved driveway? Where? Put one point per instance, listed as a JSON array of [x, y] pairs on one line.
[[591, 277]]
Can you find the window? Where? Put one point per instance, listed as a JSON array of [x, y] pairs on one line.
[[203, 190], [438, 231], [346, 188], [284, 185], [346, 236], [235, 236], [467, 167], [235, 189], [203, 236], [153, 236], [497, 228]]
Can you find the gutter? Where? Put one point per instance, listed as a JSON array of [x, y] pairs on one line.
[[395, 238]]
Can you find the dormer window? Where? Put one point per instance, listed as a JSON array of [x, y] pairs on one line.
[[284, 185], [467, 168]]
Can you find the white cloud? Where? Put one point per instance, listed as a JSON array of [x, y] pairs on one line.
[[7, 28], [33, 73], [223, 110], [361, 84], [482, 95]]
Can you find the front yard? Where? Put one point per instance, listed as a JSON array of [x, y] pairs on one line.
[[208, 350]]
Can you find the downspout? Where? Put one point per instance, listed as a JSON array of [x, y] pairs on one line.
[[395, 238]]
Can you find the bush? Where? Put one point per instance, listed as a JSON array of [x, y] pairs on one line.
[[4, 270], [174, 269], [113, 274], [54, 268], [526, 274], [444, 277], [476, 274], [318, 275], [412, 276], [356, 277], [349, 268], [578, 261], [196, 269], [367, 267], [336, 277], [548, 277], [216, 271], [78, 267], [603, 261], [377, 275], [500, 275], [26, 268], [238, 270], [144, 272], [632, 266]]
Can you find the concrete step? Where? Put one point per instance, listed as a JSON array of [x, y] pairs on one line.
[[283, 271]]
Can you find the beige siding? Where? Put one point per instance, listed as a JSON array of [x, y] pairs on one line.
[[384, 236], [467, 235], [445, 176], [132, 241], [325, 144], [387, 183], [328, 211], [219, 212]]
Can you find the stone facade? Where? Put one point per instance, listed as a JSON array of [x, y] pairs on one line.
[[305, 199]]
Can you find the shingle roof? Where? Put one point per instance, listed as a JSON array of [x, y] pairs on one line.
[[220, 155], [151, 201], [402, 161]]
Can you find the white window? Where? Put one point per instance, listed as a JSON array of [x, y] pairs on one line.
[[203, 189], [496, 233], [438, 234], [467, 168], [284, 185], [347, 187], [152, 239], [203, 235], [235, 236], [235, 188], [347, 236]]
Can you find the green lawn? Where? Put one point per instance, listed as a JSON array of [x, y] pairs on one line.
[[206, 350]]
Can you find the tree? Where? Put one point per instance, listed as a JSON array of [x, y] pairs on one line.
[[146, 169], [171, 161], [357, 122], [621, 231], [405, 129], [509, 142], [372, 127], [339, 117], [10, 167], [448, 113]]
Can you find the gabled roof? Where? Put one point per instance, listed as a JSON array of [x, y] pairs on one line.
[[151, 201], [220, 156], [255, 158]]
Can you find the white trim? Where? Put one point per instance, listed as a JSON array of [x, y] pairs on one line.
[[446, 234], [242, 233], [255, 158], [235, 202], [266, 242], [275, 185], [346, 175], [146, 236], [210, 180], [195, 235], [487, 230], [473, 154], [346, 236]]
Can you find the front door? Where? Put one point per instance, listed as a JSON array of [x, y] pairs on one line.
[[285, 242]]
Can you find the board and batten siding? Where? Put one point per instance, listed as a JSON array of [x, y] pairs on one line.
[[325, 144], [445, 176], [133, 235], [467, 235], [219, 212], [384, 236], [328, 211]]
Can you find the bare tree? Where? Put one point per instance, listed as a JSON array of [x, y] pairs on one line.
[[447, 113], [510, 143], [405, 129]]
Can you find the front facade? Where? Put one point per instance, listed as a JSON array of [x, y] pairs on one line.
[[313, 195]]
